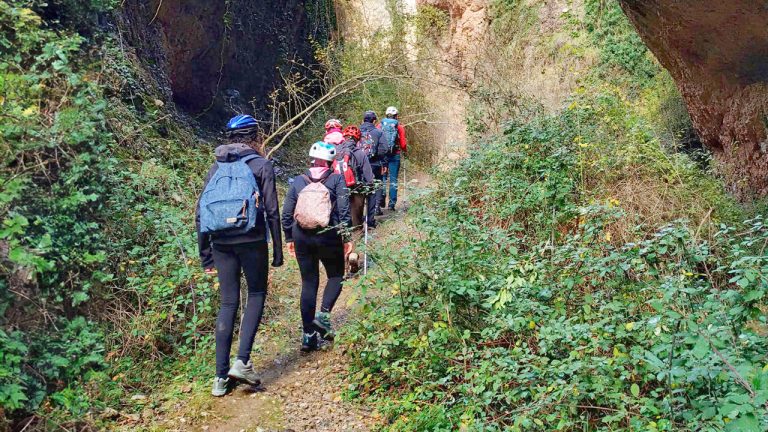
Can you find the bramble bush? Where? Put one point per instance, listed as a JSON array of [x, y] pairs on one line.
[[97, 197], [55, 167], [519, 307]]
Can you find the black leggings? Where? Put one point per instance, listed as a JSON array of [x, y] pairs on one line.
[[252, 258], [311, 249]]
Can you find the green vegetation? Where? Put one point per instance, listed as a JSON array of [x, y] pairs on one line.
[[54, 163], [524, 310], [575, 273], [99, 183], [620, 45], [101, 297], [431, 22]]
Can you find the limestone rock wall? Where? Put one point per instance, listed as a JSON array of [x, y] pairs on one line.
[[717, 52]]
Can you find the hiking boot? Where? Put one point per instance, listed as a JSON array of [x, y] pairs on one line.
[[244, 372], [354, 264], [391, 208], [220, 386], [309, 342], [323, 324], [379, 212]]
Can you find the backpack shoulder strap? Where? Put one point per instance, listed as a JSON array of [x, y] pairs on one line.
[[326, 176], [250, 157]]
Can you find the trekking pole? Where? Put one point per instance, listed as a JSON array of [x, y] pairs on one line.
[[365, 241], [405, 179]]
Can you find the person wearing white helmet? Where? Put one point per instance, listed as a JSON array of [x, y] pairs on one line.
[[394, 135], [316, 222]]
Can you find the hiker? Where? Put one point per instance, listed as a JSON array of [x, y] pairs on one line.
[[315, 221], [394, 136], [352, 163], [238, 192], [372, 142], [333, 132]]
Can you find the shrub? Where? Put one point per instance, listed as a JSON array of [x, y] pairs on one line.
[[620, 45], [431, 22], [91, 187], [529, 301]]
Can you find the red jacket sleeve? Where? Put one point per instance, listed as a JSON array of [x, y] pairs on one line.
[[401, 136]]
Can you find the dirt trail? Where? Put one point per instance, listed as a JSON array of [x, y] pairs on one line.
[[304, 392]]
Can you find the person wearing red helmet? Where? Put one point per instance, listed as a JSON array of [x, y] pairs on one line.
[[352, 163]]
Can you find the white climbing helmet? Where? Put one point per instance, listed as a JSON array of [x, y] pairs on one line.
[[391, 111], [322, 151]]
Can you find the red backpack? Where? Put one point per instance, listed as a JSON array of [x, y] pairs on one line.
[[343, 167]]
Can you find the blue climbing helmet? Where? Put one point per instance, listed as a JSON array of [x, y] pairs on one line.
[[242, 124]]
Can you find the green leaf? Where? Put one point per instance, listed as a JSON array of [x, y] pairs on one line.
[[635, 390], [745, 423], [701, 349]]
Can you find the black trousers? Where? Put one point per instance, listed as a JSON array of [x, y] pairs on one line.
[[231, 261], [312, 249]]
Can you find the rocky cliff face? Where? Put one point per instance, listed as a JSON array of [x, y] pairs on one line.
[[216, 57], [444, 68], [468, 26], [717, 52]]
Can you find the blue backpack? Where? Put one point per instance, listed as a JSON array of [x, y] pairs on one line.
[[389, 130], [229, 204]]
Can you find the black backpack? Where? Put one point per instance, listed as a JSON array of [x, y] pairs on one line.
[[380, 149]]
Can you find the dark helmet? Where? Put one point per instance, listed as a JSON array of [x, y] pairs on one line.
[[242, 124], [369, 117]]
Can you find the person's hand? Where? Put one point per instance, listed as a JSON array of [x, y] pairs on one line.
[[384, 170], [292, 249], [211, 271], [348, 248]]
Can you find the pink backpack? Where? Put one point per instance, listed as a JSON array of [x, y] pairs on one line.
[[313, 206]]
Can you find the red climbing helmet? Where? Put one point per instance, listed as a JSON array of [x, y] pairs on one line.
[[352, 132]]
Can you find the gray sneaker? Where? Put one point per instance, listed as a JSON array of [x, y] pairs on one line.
[[220, 386], [244, 372]]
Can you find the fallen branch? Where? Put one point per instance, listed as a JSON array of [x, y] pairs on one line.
[[290, 127]]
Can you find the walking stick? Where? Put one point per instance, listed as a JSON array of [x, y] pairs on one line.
[[365, 241], [405, 180]]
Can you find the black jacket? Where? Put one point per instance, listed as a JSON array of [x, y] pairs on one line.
[[265, 178], [378, 139], [361, 164], [340, 217]]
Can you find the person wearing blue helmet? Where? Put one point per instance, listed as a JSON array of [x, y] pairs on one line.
[[242, 250], [242, 125]]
